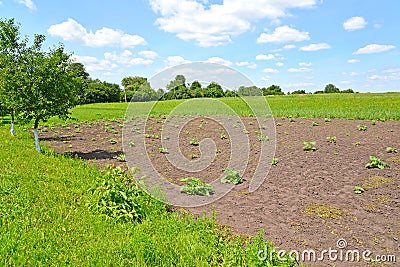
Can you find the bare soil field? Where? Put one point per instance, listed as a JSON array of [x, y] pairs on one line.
[[307, 200]]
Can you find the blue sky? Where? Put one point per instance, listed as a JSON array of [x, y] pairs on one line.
[[297, 44]]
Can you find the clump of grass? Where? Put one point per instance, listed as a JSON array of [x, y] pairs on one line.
[[362, 127], [376, 182], [324, 211], [194, 186]]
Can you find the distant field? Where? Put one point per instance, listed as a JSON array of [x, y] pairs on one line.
[[384, 106]]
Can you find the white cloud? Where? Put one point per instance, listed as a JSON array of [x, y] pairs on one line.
[[315, 47], [94, 64], [279, 64], [266, 78], [265, 57], [352, 61], [373, 49], [175, 60], [305, 64], [218, 60], [289, 47], [211, 24], [300, 84], [28, 3], [354, 23], [283, 34], [249, 65], [270, 70], [148, 54], [126, 58], [303, 69], [71, 30]]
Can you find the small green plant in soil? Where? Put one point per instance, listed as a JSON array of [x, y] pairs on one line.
[[194, 186], [331, 139], [113, 141], [357, 143], [262, 137], [279, 124], [362, 127], [121, 157], [194, 142], [359, 190], [327, 120], [391, 150], [147, 135], [154, 136], [193, 156], [274, 161], [309, 146], [315, 123], [223, 136], [376, 163], [324, 211], [132, 144], [373, 122], [163, 150], [231, 177]]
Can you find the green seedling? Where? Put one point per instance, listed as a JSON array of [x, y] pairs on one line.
[[193, 156], [376, 163], [147, 135], [373, 122], [362, 127], [331, 139], [359, 190], [113, 141], [279, 124], [262, 137], [315, 123], [231, 177], [132, 144], [309, 146], [274, 162], [223, 136], [163, 150], [121, 158], [194, 186], [194, 142], [357, 143], [154, 136], [391, 150], [327, 120]]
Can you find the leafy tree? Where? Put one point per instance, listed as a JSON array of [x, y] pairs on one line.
[[79, 70], [196, 90], [330, 88], [146, 93], [13, 67], [53, 87], [348, 91], [101, 92], [273, 90], [249, 91], [318, 92], [214, 90], [229, 93], [179, 84], [130, 85], [299, 92]]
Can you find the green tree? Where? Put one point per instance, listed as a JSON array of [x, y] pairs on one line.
[[13, 67], [330, 88], [249, 91], [299, 92], [101, 92], [53, 88], [273, 90], [196, 90], [348, 91], [214, 90], [79, 70], [146, 93], [177, 87], [130, 85]]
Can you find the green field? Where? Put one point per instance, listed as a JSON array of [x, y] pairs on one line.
[[383, 106]]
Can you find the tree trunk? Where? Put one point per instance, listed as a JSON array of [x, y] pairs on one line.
[[12, 131], [36, 135]]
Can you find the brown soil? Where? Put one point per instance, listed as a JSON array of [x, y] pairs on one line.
[[307, 201]]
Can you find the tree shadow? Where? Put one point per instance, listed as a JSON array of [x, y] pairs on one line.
[[95, 154]]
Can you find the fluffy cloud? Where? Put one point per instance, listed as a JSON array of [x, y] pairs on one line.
[[218, 60], [305, 64], [279, 64], [94, 64], [373, 49], [212, 24], [352, 61], [289, 47], [249, 65], [354, 23], [126, 58], [270, 70], [175, 60], [265, 57], [28, 3], [303, 69], [71, 30], [315, 47], [148, 54], [284, 34]]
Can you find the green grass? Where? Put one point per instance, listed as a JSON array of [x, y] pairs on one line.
[[45, 220], [377, 106]]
